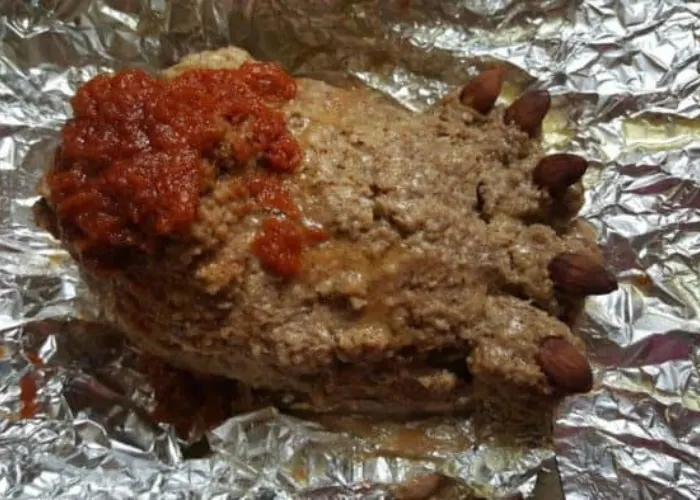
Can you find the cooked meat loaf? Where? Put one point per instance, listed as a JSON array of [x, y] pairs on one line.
[[433, 258]]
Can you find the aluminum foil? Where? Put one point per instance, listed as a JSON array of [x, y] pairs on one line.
[[624, 76]]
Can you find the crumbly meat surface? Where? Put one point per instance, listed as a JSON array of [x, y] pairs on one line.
[[432, 288]]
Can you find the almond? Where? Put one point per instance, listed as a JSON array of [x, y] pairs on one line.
[[565, 366], [580, 274], [559, 171], [528, 111], [481, 92]]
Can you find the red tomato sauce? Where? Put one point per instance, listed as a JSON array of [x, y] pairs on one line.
[[133, 166]]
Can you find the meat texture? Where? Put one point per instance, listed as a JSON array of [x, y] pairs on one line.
[[438, 283]]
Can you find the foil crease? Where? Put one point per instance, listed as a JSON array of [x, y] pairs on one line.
[[624, 79]]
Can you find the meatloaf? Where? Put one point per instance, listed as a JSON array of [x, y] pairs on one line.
[[325, 246]]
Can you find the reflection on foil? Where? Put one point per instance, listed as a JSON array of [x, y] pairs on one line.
[[624, 77]]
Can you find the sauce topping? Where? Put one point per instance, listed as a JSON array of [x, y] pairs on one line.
[[133, 161], [269, 193], [282, 238], [279, 246]]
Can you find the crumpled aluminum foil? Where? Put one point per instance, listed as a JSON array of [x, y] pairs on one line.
[[624, 76]]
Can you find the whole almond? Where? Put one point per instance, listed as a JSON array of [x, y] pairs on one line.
[[580, 274], [559, 171], [528, 111], [565, 366], [481, 92]]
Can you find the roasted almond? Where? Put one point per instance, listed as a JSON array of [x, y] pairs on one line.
[[565, 366], [580, 274], [559, 171], [481, 92], [528, 111]]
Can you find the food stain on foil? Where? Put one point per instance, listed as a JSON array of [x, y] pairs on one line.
[[557, 132], [509, 92], [28, 396], [415, 439], [59, 259], [29, 387], [660, 132], [28, 392], [643, 282], [34, 359], [299, 473], [192, 403]]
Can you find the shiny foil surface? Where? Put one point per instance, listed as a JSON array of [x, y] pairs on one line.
[[624, 77]]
